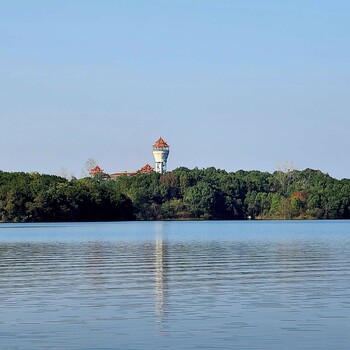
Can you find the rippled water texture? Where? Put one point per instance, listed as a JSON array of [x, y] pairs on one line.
[[175, 285]]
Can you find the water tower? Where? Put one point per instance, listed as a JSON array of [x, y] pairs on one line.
[[160, 154]]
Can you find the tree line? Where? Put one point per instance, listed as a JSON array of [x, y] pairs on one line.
[[180, 194]]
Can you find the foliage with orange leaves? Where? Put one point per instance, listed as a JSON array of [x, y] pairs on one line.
[[301, 195]]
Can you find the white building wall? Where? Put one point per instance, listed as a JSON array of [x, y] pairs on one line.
[[160, 157]]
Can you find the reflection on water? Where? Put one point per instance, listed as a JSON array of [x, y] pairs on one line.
[[160, 276], [175, 286]]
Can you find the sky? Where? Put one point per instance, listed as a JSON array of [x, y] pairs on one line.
[[244, 84]]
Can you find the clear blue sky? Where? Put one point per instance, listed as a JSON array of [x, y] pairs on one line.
[[231, 84]]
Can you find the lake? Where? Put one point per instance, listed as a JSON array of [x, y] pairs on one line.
[[175, 285]]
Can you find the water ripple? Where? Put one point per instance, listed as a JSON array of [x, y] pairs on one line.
[[157, 290]]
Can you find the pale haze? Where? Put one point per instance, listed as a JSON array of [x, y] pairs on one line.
[[230, 84]]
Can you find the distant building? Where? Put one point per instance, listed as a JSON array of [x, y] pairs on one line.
[[160, 154], [96, 171], [120, 173], [147, 169]]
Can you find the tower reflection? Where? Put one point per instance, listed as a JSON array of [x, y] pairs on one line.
[[161, 274]]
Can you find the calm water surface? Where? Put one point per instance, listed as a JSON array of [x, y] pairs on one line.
[[175, 285]]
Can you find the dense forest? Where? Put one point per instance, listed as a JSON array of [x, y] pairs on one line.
[[180, 194]]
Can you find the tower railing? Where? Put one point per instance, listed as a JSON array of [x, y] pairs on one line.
[[160, 148]]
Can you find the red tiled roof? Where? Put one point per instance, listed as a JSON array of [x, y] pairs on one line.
[[96, 170], [146, 169], [160, 143]]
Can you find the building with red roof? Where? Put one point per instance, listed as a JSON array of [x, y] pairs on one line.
[[96, 171], [160, 153], [147, 169]]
